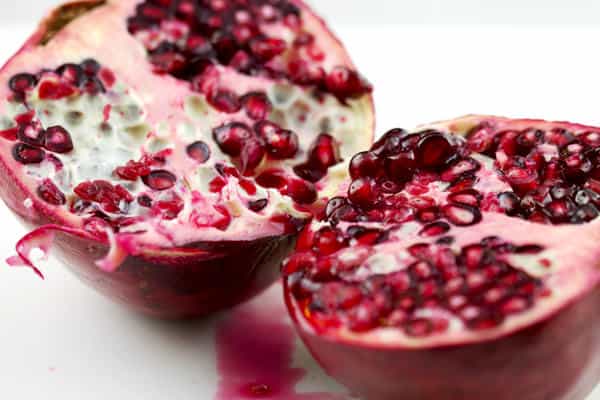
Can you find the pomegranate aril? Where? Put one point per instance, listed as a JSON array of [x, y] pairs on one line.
[[22, 82], [461, 214], [160, 180], [57, 140], [461, 167], [325, 151], [346, 84], [225, 101], [433, 151], [301, 191], [32, 134], [90, 67], [27, 154], [48, 192], [231, 137], [327, 241], [257, 105], [71, 73], [401, 166], [469, 197], [267, 48], [362, 192], [435, 229], [251, 156], [258, 205], [145, 201], [198, 151], [280, 143], [364, 164]]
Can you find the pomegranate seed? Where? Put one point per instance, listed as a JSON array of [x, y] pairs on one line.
[[433, 151], [50, 193], [267, 48], [325, 151], [90, 67], [145, 201], [280, 144], [462, 167], [231, 137], [327, 241], [419, 327], [509, 202], [160, 180], [364, 164], [469, 197], [26, 154], [345, 84], [301, 191], [428, 214], [198, 151], [31, 134], [54, 90], [225, 101], [257, 105], [461, 214], [435, 229], [258, 205], [251, 155], [400, 167], [10, 134], [57, 140], [71, 73], [362, 192], [23, 82]]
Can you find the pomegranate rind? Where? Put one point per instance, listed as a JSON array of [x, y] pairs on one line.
[[215, 258]]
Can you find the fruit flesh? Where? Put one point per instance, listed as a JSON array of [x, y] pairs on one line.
[[131, 173], [397, 278]]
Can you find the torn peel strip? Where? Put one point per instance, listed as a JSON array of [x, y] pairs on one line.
[[42, 239]]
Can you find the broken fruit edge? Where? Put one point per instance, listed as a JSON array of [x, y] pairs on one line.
[[557, 358]]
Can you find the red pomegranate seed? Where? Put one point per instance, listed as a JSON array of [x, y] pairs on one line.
[[435, 229], [50, 193], [23, 82], [301, 191], [428, 214], [469, 197], [338, 296], [346, 84], [231, 137], [57, 140], [26, 154], [32, 134], [257, 105], [272, 179], [9, 134], [225, 101], [509, 202], [461, 214], [362, 192], [145, 201], [198, 151], [364, 164], [54, 90], [71, 73], [251, 156], [267, 48], [325, 151], [90, 67], [258, 205], [280, 143], [327, 241], [400, 167], [160, 180], [466, 166], [433, 151]]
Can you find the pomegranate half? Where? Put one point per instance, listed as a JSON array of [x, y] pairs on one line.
[[460, 262], [174, 148]]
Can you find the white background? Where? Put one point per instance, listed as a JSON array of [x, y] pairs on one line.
[[429, 60]]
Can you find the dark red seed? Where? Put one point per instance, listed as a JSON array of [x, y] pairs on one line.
[[71, 73], [32, 134], [92, 86], [280, 143], [50, 193], [428, 214], [251, 156], [362, 192], [345, 83], [509, 202], [225, 101], [23, 82], [267, 48], [433, 151], [310, 172], [400, 167], [301, 191], [90, 67], [231, 137], [364, 164], [53, 90], [325, 151], [198, 151], [145, 201], [258, 205], [470, 197], [26, 154], [257, 105], [274, 178], [160, 180], [435, 229], [465, 166], [461, 214], [57, 140], [529, 249]]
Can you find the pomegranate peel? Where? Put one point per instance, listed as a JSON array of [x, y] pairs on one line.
[[120, 134]]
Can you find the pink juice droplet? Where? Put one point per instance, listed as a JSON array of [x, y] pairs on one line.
[[255, 347]]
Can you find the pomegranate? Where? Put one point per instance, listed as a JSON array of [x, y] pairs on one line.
[[461, 262], [158, 141]]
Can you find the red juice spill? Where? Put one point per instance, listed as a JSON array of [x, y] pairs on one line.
[[255, 347]]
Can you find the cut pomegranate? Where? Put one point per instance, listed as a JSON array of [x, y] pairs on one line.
[[171, 191], [461, 284]]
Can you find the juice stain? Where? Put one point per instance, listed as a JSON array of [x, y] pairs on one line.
[[255, 347]]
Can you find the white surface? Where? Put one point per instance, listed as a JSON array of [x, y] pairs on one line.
[[60, 340]]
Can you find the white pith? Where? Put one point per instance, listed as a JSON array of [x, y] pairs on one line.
[[171, 116], [568, 266]]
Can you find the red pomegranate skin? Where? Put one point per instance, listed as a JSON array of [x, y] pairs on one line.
[[557, 359], [156, 284]]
